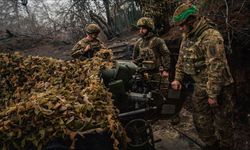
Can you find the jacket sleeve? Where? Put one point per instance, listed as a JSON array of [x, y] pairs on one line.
[[216, 63], [136, 50], [78, 49], [179, 74], [164, 55]]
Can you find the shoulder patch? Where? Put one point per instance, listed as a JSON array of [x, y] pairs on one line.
[[212, 51]]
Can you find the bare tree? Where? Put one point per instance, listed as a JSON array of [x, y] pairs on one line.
[[69, 16], [94, 11]]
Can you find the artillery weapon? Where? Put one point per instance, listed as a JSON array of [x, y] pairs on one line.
[[139, 102], [133, 91]]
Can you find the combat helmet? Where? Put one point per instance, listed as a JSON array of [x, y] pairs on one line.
[[92, 28], [146, 22], [183, 12]]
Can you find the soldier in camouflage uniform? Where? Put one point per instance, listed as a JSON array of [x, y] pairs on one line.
[[152, 49], [202, 56], [89, 45]]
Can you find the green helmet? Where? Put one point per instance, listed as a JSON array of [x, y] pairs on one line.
[[183, 12], [146, 22], [92, 28]]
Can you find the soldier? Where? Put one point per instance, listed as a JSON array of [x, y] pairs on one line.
[[150, 47], [152, 52], [89, 45], [202, 56]]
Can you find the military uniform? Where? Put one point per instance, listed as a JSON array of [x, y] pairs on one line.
[[152, 48], [202, 56], [78, 49], [95, 44]]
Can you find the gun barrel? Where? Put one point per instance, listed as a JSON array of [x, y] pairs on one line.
[[137, 111], [139, 96]]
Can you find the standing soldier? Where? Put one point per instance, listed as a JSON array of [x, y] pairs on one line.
[[152, 51], [89, 45], [202, 56]]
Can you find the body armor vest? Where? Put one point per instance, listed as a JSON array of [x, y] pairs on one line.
[[193, 57], [147, 52], [193, 54]]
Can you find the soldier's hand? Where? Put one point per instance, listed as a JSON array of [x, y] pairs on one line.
[[176, 85], [165, 74], [87, 48], [212, 102]]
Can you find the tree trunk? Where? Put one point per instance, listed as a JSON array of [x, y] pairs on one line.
[[111, 28], [104, 26]]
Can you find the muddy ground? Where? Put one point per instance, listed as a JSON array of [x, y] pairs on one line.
[[179, 137]]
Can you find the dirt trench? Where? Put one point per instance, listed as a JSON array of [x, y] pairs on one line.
[[170, 137]]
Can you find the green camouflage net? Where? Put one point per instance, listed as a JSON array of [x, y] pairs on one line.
[[44, 98]]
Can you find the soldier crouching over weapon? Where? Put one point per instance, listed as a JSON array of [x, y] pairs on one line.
[[89, 45], [202, 56]]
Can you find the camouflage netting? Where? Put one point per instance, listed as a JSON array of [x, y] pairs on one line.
[[43, 98]]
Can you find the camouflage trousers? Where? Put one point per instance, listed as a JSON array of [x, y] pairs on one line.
[[214, 123]]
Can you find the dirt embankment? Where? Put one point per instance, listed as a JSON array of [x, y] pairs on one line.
[[35, 46], [61, 50]]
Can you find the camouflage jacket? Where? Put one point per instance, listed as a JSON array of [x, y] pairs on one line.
[[78, 49], [152, 48], [202, 56]]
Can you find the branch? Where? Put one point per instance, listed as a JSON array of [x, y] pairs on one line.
[[69, 10], [97, 19], [242, 6], [24, 2], [9, 33], [228, 34]]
